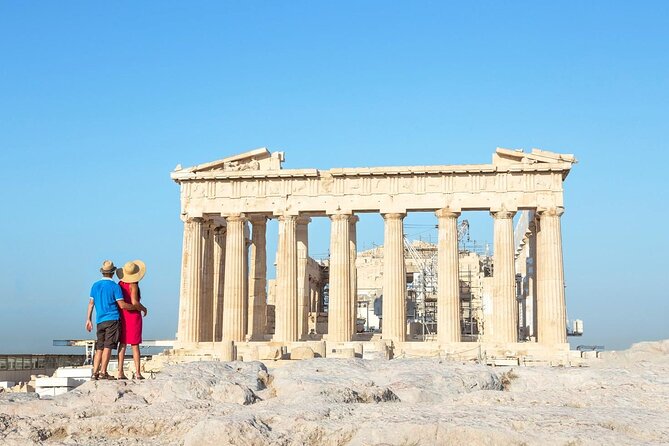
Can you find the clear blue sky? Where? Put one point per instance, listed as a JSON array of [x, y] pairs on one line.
[[99, 102]]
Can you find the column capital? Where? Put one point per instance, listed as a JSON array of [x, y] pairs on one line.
[[447, 213], [394, 216], [354, 219], [257, 219], [287, 217], [340, 217], [550, 212], [193, 220], [502, 213], [211, 224], [234, 218], [303, 220]]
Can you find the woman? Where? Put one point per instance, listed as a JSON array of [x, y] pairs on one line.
[[131, 320]]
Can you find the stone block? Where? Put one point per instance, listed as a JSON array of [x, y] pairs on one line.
[[341, 353], [376, 350], [301, 353], [320, 349], [227, 351], [250, 354], [56, 382], [269, 353]]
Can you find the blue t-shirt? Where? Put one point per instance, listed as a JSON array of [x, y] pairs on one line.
[[105, 292]]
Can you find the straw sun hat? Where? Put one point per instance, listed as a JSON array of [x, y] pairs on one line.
[[132, 271], [107, 267]]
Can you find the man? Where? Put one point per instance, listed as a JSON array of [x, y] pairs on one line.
[[106, 298]]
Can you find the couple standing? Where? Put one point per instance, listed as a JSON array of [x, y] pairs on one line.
[[118, 316]]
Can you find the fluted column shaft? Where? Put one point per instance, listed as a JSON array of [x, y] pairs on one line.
[[191, 282], [551, 307], [394, 279], [504, 324], [207, 291], [258, 278], [339, 307], [353, 254], [233, 295], [219, 281], [286, 299], [448, 276], [532, 276], [302, 276], [247, 245]]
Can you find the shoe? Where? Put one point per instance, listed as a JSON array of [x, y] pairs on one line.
[[122, 377], [107, 376], [95, 376], [139, 377]]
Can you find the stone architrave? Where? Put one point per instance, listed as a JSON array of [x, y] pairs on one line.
[[448, 289], [340, 327], [233, 295], [219, 281], [207, 291], [551, 309], [191, 282], [258, 278], [504, 324], [302, 277], [286, 298], [394, 279], [353, 254]]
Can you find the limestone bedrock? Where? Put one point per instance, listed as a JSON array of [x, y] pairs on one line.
[[621, 399]]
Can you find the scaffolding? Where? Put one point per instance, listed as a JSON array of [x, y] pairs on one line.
[[422, 285]]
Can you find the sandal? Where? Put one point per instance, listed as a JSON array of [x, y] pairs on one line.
[[95, 376], [107, 376], [139, 377], [122, 377]]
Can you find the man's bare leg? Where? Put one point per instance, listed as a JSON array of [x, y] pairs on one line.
[[106, 355], [96, 362]]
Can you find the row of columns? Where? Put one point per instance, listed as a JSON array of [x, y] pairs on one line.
[[219, 272]]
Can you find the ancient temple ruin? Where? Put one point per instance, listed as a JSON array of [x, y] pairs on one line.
[[225, 206]]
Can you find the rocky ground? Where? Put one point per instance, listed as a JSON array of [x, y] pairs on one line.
[[621, 399]]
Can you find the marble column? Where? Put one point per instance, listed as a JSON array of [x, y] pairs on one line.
[[394, 279], [532, 277], [504, 324], [286, 286], [302, 276], [207, 291], [191, 282], [353, 255], [233, 294], [551, 308], [339, 307], [448, 276], [247, 256], [219, 281], [258, 278]]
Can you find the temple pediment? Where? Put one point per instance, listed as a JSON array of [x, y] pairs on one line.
[[257, 159], [507, 156]]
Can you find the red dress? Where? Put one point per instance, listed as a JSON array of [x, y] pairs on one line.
[[131, 320]]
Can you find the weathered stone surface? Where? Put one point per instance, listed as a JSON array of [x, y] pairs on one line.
[[302, 353], [269, 352], [622, 399], [345, 353]]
